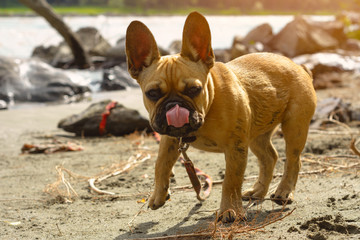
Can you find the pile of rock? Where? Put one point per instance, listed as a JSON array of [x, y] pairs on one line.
[[61, 56], [35, 81], [326, 48]]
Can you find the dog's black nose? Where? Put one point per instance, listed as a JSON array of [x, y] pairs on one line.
[[170, 105]]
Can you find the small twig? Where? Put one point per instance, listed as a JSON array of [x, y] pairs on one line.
[[59, 229], [353, 146], [137, 214]]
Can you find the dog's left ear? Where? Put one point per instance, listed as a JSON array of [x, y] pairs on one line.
[[196, 43], [141, 48]]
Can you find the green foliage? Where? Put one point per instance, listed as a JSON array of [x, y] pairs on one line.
[[184, 6], [354, 34]]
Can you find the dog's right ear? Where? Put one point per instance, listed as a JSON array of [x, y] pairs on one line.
[[141, 48]]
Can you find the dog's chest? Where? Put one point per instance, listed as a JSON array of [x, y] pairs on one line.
[[207, 144]]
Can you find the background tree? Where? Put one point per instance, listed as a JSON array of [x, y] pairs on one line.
[[42, 8]]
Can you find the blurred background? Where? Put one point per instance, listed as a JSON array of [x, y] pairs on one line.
[[183, 6], [64, 51]]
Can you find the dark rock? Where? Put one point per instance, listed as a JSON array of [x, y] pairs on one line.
[[329, 80], [255, 41], [116, 55], [332, 105], [46, 54], [262, 33], [336, 108], [93, 41], [117, 78], [34, 80], [302, 36], [320, 63], [61, 55], [222, 55], [293, 229], [329, 224], [328, 68], [238, 48], [175, 47], [121, 121], [317, 236]]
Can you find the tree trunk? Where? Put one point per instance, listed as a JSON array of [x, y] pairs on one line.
[[42, 8]]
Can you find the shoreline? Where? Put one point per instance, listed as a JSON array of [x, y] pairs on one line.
[[106, 11]]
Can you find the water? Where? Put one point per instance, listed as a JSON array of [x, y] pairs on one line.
[[19, 35]]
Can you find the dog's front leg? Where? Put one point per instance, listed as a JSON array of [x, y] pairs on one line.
[[231, 202], [168, 154]]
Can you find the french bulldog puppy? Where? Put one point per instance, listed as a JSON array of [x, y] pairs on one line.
[[219, 107]]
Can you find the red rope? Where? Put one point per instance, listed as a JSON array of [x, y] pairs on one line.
[[105, 114]]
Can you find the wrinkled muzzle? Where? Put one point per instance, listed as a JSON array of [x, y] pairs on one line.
[[177, 119]]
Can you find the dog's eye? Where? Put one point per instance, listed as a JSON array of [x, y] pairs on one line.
[[193, 91], [154, 94]]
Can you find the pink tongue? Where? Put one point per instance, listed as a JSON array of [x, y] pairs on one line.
[[177, 116]]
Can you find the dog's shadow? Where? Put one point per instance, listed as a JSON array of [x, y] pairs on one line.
[[142, 229], [254, 217]]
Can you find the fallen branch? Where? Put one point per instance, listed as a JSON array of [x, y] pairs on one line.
[[132, 162]]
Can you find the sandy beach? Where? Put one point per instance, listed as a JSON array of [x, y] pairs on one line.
[[327, 198]]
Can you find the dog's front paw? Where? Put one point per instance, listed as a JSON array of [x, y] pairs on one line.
[[231, 210], [282, 198], [158, 200], [257, 193], [231, 215]]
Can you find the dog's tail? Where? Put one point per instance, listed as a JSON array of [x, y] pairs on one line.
[[307, 70]]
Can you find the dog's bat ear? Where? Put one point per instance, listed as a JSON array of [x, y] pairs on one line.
[[141, 48], [196, 43]]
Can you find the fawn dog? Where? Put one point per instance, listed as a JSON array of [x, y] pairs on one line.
[[224, 108]]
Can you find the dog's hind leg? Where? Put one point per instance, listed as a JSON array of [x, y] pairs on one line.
[[295, 132], [267, 156]]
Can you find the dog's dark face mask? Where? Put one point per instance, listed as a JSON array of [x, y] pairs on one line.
[[176, 117]]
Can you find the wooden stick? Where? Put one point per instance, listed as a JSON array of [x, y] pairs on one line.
[[353, 147], [131, 163]]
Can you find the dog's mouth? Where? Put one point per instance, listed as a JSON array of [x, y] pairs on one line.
[[177, 119]]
